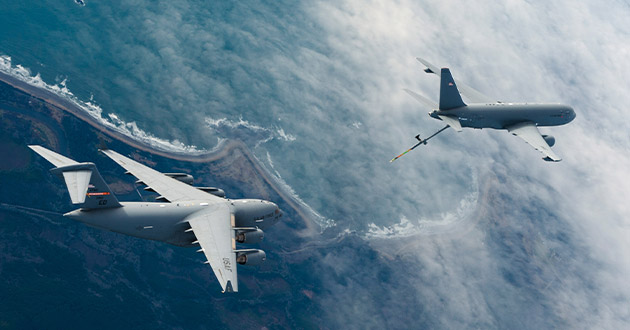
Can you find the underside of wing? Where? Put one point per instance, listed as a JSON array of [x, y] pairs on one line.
[[470, 93], [213, 229], [171, 189], [529, 132], [452, 121]]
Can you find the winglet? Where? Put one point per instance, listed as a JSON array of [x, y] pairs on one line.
[[449, 94]]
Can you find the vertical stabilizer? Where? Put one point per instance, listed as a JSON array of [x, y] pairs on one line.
[[449, 95], [85, 184]]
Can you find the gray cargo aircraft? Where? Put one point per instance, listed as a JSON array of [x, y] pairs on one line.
[[185, 216], [520, 119]]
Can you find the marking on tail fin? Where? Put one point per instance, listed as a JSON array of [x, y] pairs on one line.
[[449, 94], [80, 186], [83, 181], [105, 193]]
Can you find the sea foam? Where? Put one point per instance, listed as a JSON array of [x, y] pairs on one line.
[[442, 223], [250, 133], [113, 122], [131, 129], [321, 220]]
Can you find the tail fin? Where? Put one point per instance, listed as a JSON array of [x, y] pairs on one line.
[[85, 184], [449, 94]]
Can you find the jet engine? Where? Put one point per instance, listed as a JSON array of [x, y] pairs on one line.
[[250, 257], [249, 235], [549, 139], [212, 190], [183, 177]]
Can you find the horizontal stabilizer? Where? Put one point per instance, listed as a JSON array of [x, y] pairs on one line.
[[85, 184], [428, 103], [470, 93], [53, 157], [452, 121], [430, 68]]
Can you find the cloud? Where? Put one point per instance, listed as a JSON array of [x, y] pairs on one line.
[[515, 51], [548, 248]]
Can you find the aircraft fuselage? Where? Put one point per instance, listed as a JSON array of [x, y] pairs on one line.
[[502, 115], [166, 222]]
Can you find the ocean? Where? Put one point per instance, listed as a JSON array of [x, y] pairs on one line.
[[192, 74], [474, 229]]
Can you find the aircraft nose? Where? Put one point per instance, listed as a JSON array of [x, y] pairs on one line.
[[278, 214], [572, 114]]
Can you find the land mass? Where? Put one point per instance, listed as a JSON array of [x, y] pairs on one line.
[[55, 272], [45, 105]]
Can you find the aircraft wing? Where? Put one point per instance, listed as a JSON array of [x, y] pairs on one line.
[[472, 94], [452, 121], [529, 132], [173, 190], [213, 229]]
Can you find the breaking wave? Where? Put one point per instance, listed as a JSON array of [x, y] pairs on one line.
[[113, 122], [321, 220], [251, 134], [243, 130], [442, 223]]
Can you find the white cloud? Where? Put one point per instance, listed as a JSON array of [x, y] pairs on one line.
[[327, 65], [555, 52]]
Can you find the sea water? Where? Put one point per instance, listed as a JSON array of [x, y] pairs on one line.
[[277, 76]]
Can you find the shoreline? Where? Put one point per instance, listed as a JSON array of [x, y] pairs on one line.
[[221, 151]]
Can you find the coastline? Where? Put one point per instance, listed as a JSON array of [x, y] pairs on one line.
[[224, 149]]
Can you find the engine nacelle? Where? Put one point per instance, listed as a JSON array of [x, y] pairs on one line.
[[250, 257], [549, 139], [183, 177], [212, 190], [249, 235]]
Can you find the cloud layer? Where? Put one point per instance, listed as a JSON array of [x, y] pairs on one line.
[[549, 248]]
